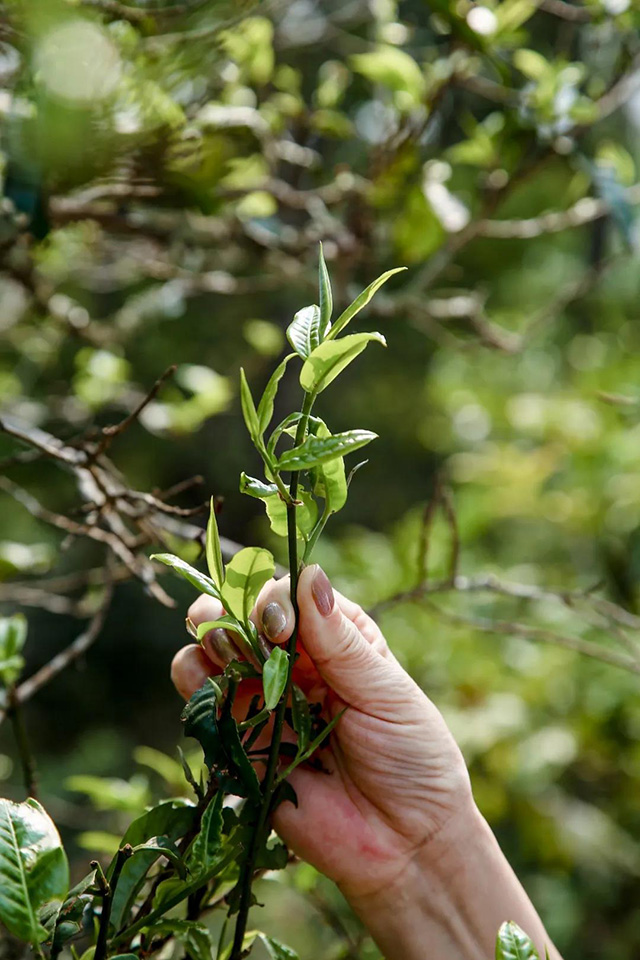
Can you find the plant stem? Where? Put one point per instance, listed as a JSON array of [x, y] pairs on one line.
[[269, 781], [27, 759], [108, 889]]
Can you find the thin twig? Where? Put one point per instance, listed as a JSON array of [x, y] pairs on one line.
[[110, 432], [27, 758]]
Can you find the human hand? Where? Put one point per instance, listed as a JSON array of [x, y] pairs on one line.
[[392, 776]]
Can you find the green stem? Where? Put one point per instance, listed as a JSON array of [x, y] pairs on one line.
[[108, 888], [269, 781]]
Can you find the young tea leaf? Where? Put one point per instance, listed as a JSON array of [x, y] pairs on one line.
[[330, 358], [306, 514], [247, 573], [213, 549], [360, 302], [514, 944], [249, 411], [329, 478], [265, 407], [163, 847], [325, 294], [199, 580], [33, 868], [306, 331], [256, 488], [274, 677], [13, 634], [317, 450]]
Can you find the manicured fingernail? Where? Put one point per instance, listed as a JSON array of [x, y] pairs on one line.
[[265, 646], [274, 620], [322, 592], [221, 645]]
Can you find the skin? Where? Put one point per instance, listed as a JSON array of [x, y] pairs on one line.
[[391, 816]]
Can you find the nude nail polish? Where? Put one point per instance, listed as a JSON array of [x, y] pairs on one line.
[[322, 592]]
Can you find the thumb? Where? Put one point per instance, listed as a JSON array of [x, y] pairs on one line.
[[347, 662]]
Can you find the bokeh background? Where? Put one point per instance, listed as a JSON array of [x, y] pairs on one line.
[[168, 170]]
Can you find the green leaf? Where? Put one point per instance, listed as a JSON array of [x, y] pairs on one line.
[[200, 721], [301, 717], [265, 407], [306, 331], [206, 845], [256, 488], [306, 514], [195, 937], [171, 819], [329, 359], [213, 549], [33, 868], [514, 944], [247, 573], [249, 411], [360, 302], [274, 677], [304, 755], [393, 68], [317, 450], [325, 294], [13, 634], [199, 580], [163, 847], [275, 949], [329, 478], [239, 763]]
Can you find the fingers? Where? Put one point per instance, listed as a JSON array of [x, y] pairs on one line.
[[220, 645], [190, 668], [355, 666], [274, 611]]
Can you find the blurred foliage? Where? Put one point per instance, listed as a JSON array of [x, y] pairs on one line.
[[168, 169]]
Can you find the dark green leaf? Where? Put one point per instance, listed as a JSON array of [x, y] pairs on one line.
[[247, 573], [329, 359], [305, 755], [301, 717], [206, 845], [514, 944], [33, 868], [199, 580], [274, 677], [195, 937], [325, 294], [360, 302], [162, 846], [249, 411], [265, 407], [172, 819], [213, 549], [200, 721], [239, 764], [306, 331], [317, 450]]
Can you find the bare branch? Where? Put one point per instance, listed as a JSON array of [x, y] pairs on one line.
[[108, 433], [62, 660]]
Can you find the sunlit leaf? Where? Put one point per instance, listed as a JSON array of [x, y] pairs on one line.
[[249, 411], [13, 634], [307, 330], [247, 573], [325, 295], [33, 868], [213, 549], [199, 580], [274, 677], [265, 407], [514, 944], [329, 359], [360, 302], [317, 450]]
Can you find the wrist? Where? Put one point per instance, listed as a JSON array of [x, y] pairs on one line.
[[450, 898]]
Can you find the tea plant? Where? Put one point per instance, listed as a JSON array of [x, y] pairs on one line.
[[198, 855]]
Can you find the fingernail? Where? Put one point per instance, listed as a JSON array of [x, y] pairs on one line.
[[221, 645], [265, 646], [322, 592], [274, 620]]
